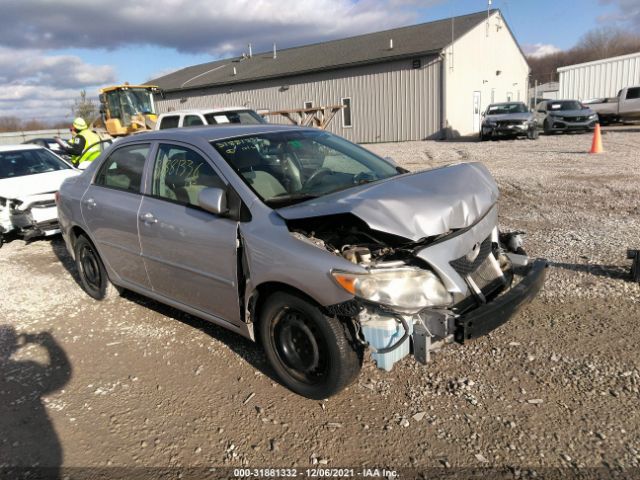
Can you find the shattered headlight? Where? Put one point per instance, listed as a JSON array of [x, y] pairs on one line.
[[406, 288]]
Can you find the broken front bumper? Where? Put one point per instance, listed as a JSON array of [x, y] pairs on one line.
[[389, 334], [490, 316]]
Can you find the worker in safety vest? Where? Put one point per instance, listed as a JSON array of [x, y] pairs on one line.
[[84, 145]]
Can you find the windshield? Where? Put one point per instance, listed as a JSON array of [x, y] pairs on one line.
[[503, 108], [136, 100], [20, 163], [566, 105], [289, 167], [246, 117]]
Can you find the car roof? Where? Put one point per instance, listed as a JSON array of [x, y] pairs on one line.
[[212, 133], [504, 103], [205, 110], [12, 148]]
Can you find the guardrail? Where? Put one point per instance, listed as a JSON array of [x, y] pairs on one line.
[[13, 138]]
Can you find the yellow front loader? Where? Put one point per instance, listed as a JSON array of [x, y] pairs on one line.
[[127, 109]]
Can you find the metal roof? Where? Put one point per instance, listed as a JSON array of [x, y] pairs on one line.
[[414, 40]]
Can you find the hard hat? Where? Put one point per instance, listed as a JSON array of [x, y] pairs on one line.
[[79, 124]]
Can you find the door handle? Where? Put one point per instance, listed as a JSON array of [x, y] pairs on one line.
[[148, 218], [90, 202]]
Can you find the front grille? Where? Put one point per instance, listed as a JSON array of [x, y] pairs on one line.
[[464, 266], [504, 123], [575, 119], [44, 204], [481, 270], [486, 274]]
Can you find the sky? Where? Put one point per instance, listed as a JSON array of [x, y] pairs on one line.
[[52, 49]]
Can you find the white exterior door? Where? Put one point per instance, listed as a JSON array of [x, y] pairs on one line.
[[476, 112]]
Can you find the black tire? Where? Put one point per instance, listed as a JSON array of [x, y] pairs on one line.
[[532, 133], [546, 127], [313, 355], [93, 275]]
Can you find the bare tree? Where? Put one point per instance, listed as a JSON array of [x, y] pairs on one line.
[[594, 45], [84, 107], [10, 124]]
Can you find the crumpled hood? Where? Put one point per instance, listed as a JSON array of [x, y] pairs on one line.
[[413, 206], [510, 116], [25, 186]]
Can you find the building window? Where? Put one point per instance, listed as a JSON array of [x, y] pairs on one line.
[[308, 104], [346, 113]]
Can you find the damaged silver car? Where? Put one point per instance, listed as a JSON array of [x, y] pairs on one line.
[[301, 240]]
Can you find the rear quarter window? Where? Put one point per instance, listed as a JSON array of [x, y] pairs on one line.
[[170, 121], [633, 93]]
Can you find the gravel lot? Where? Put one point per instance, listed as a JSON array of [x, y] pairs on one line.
[[132, 383]]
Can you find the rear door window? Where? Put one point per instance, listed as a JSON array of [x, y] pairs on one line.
[[170, 121], [192, 121], [633, 93], [123, 169], [180, 173]]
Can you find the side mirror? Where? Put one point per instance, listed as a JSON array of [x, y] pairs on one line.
[[213, 200]]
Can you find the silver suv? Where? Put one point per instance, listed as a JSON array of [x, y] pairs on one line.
[[305, 241]]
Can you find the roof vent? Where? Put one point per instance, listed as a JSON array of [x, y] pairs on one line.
[[250, 51], [275, 51], [235, 72], [391, 44]]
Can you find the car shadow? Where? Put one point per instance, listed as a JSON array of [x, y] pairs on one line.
[[59, 249], [29, 445], [245, 348], [610, 271], [248, 350]]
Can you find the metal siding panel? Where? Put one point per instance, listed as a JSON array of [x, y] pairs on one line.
[[390, 102], [600, 79]]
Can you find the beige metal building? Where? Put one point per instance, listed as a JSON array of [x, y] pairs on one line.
[[411, 83]]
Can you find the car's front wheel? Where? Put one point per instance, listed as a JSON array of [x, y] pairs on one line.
[[314, 355], [93, 275]]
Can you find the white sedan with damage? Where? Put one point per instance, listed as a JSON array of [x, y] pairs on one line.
[[29, 178]]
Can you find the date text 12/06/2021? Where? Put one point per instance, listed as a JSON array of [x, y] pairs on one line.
[[314, 472]]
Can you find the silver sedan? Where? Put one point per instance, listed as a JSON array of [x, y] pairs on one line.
[[300, 239]]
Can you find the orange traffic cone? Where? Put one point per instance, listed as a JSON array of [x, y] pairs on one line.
[[596, 146]]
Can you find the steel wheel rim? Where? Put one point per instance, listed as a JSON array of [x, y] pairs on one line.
[[300, 347], [90, 268]]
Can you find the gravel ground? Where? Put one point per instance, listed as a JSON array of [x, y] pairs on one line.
[[132, 383]]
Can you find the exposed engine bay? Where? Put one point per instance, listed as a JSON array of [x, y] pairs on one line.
[[391, 329], [348, 236]]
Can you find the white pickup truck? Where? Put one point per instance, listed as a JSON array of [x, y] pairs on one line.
[[211, 116], [624, 107]]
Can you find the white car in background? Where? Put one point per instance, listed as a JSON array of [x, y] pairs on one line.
[[210, 116], [30, 176]]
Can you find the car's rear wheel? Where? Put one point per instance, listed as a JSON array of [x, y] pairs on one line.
[[93, 275], [546, 127], [314, 355]]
